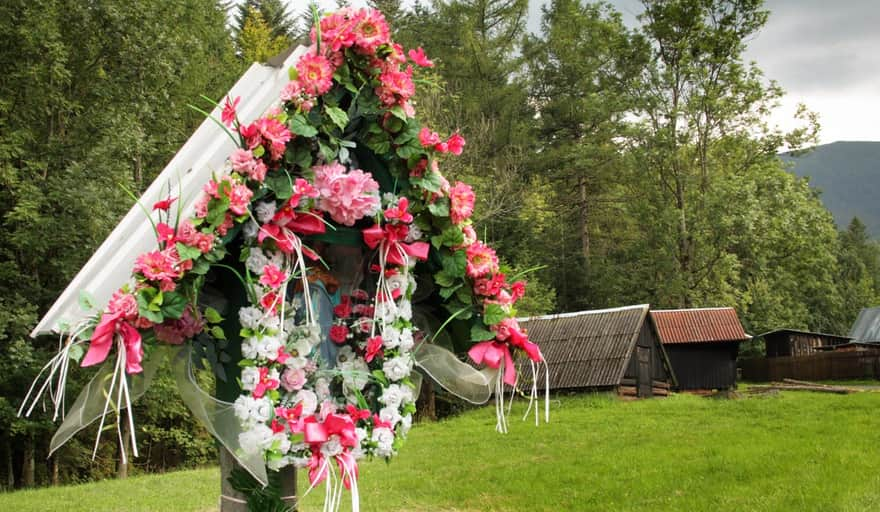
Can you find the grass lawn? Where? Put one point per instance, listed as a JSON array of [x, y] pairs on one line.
[[794, 451]]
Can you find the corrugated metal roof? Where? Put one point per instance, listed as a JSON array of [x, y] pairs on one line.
[[699, 325], [588, 348], [798, 331], [866, 329]]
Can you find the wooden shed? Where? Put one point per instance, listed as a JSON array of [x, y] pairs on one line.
[[702, 345], [609, 349], [792, 342]]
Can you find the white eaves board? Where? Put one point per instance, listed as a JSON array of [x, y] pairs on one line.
[[204, 153]]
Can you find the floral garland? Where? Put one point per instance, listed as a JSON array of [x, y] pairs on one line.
[[293, 180]]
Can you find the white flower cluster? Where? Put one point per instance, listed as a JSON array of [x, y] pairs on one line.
[[261, 347], [258, 259]]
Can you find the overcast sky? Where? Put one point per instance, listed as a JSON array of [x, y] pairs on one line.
[[824, 54]]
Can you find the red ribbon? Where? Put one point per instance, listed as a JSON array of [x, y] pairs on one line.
[[394, 236], [102, 341], [492, 353]]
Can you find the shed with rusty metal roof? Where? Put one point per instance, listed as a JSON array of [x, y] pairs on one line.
[[702, 344], [609, 349]]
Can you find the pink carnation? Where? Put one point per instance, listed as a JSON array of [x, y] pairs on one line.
[[347, 197], [338, 333], [124, 303], [461, 202], [315, 74], [396, 87], [268, 132], [481, 260], [239, 198]]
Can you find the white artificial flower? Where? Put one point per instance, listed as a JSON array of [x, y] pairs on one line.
[[414, 234], [390, 414], [406, 424], [264, 211], [283, 462], [308, 399], [356, 374], [250, 230], [268, 347], [406, 340], [390, 337], [270, 322], [250, 377], [249, 347], [249, 317], [397, 368], [299, 353], [386, 311], [250, 410], [331, 447], [395, 395], [397, 281], [282, 440], [384, 438], [361, 434], [256, 439], [344, 356], [322, 388], [256, 260], [404, 310]]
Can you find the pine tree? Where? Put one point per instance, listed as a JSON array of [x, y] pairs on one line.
[[274, 13], [255, 40]]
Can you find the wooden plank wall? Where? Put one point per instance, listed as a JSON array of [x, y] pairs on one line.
[[819, 366]]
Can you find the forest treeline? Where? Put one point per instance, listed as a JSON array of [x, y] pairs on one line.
[[622, 164]]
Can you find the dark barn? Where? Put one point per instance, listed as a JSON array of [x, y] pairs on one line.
[[792, 342], [610, 349], [702, 345]]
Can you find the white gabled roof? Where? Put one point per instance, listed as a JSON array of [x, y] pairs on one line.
[[203, 154]]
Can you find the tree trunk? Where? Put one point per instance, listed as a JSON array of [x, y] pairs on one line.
[[28, 478], [10, 467], [584, 221], [55, 480]]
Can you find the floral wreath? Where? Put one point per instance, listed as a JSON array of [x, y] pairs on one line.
[[341, 160]]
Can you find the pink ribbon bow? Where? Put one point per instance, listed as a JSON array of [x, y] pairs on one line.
[[394, 236], [102, 341], [492, 353]]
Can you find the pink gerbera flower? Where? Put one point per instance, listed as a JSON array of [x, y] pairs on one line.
[[315, 74], [371, 30], [481, 260], [461, 202]]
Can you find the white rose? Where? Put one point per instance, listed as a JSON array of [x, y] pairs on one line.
[[384, 437], [264, 211], [406, 340], [256, 260], [249, 317], [249, 347], [390, 337], [309, 401], [250, 376], [390, 414], [397, 368], [404, 310], [255, 439], [250, 230], [263, 410], [268, 347], [332, 447], [406, 424], [397, 282], [396, 394]]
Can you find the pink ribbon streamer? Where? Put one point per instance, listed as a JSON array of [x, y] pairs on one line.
[[102, 341], [394, 235], [492, 353]]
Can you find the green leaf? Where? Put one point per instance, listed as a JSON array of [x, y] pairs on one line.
[[408, 151], [173, 305], [326, 151], [217, 211], [493, 314], [187, 252], [217, 332], [76, 352], [440, 207], [292, 73], [444, 280], [145, 300], [300, 126], [398, 112], [338, 116], [212, 315], [279, 182], [480, 333], [86, 301], [200, 267], [430, 182], [300, 155], [380, 376], [455, 263], [411, 132], [445, 293], [259, 151], [451, 236]]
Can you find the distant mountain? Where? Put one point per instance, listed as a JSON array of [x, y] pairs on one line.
[[848, 175]]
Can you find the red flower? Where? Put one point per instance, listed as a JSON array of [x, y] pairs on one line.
[[271, 302], [228, 115], [374, 348], [343, 309], [339, 333], [165, 234], [427, 138], [164, 204]]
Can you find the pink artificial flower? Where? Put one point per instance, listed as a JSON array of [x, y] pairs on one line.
[[374, 348], [265, 383], [267, 132], [338, 333], [125, 304], [283, 238], [360, 294], [337, 29], [419, 170], [396, 55], [227, 223], [343, 309], [461, 202], [273, 277], [201, 207], [293, 379], [455, 143], [271, 302], [346, 196], [504, 328], [371, 30], [315, 74], [187, 233], [228, 115], [164, 204], [427, 138], [517, 290], [420, 59], [489, 287], [157, 266], [399, 212], [395, 87], [481, 260], [470, 235], [239, 199], [175, 332], [243, 161], [205, 242], [165, 234]]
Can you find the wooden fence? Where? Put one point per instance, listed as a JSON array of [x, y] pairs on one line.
[[820, 366]]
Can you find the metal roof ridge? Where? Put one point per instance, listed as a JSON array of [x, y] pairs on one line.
[[580, 313], [715, 308]]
